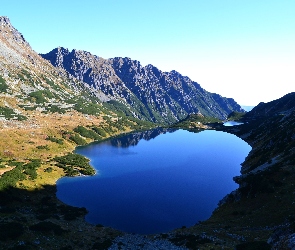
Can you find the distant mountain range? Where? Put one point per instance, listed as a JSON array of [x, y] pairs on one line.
[[121, 84], [145, 91], [53, 102]]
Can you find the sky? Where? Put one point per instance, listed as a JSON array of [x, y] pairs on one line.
[[239, 49]]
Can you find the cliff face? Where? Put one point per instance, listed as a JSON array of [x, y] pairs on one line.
[[147, 91]]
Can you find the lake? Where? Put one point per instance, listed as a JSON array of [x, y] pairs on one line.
[[232, 123], [155, 181]]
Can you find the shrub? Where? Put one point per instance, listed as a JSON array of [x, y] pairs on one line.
[[54, 139], [37, 96], [43, 147], [99, 131], [3, 85], [54, 109], [7, 112], [87, 108], [86, 133], [31, 167], [48, 170], [71, 161], [10, 178], [21, 118], [78, 139], [32, 173]]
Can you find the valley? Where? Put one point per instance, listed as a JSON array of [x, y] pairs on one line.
[[50, 106]]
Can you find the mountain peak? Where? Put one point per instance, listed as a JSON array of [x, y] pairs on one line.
[[4, 20], [147, 92], [11, 36]]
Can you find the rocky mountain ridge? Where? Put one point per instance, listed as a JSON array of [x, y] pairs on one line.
[[42, 108], [283, 105], [30, 83], [148, 92]]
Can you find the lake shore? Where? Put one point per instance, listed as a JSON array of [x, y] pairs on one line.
[[228, 226]]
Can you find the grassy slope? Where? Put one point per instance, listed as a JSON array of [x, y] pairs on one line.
[[32, 202], [255, 216], [252, 218]]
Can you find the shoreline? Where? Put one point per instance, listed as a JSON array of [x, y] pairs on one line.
[[202, 231], [133, 132]]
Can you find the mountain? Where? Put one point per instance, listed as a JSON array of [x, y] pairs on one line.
[[44, 115], [30, 82], [283, 105], [148, 92], [265, 197], [45, 112], [32, 88], [42, 107]]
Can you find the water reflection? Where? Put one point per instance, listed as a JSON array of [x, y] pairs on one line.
[[133, 138], [232, 123], [151, 186]]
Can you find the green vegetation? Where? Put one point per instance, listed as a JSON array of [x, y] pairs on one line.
[[99, 131], [3, 86], [144, 113], [77, 139], [87, 133], [43, 147], [54, 139], [26, 73], [20, 172], [118, 108], [48, 170], [73, 164], [10, 178], [86, 107], [9, 113], [236, 116], [37, 97], [31, 167], [54, 109], [40, 96], [195, 121]]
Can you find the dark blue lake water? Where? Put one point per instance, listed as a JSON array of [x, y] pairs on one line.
[[156, 181]]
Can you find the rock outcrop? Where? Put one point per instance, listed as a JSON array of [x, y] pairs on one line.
[[148, 92]]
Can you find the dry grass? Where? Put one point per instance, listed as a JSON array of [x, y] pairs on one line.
[[19, 141], [3, 170]]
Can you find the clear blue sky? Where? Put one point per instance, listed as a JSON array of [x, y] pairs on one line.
[[236, 48]]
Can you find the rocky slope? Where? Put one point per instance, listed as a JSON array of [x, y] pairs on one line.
[[45, 112], [260, 213], [28, 81], [283, 105], [148, 92], [265, 197]]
